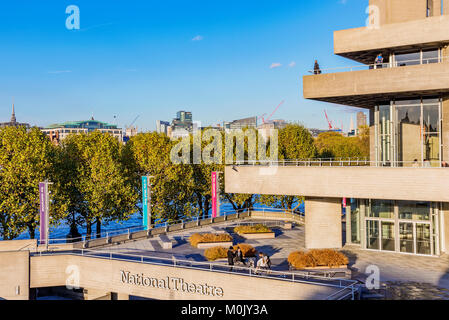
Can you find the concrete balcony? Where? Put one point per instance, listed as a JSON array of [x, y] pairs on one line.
[[366, 88], [415, 184], [363, 44]]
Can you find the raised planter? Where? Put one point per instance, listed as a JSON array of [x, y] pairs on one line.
[[249, 236], [324, 268], [206, 245]]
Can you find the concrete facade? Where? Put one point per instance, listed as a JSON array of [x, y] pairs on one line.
[[323, 222], [14, 275]]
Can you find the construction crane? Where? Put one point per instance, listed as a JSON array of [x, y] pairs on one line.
[[329, 122], [133, 121], [272, 114]]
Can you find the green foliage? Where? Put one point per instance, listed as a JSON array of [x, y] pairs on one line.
[[94, 182], [26, 158], [260, 228], [334, 145]]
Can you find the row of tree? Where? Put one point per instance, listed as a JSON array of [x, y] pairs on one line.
[[96, 179]]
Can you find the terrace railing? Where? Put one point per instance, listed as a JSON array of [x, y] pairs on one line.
[[348, 288], [386, 65]]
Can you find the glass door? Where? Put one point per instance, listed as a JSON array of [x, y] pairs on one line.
[[372, 235], [407, 240], [423, 239], [388, 243]]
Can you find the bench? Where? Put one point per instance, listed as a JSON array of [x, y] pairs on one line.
[[165, 242]]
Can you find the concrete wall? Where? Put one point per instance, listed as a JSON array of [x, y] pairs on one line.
[[15, 245], [14, 275], [104, 275], [431, 78], [415, 184], [401, 35], [323, 228], [394, 11]]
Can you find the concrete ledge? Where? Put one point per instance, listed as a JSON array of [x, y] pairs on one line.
[[266, 235], [207, 245]]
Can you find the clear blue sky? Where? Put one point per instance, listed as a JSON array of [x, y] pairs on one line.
[[140, 58]]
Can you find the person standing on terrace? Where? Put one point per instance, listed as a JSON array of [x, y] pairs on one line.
[[379, 61], [316, 68]]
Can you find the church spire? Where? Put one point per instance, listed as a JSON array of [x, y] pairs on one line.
[[13, 116]]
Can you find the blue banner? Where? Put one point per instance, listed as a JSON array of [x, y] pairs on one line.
[[145, 201]]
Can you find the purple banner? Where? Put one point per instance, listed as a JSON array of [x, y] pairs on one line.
[[214, 195], [42, 214]]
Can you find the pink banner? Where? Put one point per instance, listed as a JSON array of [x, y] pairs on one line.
[[344, 203], [214, 194], [42, 214]]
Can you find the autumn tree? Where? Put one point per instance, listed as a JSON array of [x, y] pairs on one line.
[[295, 142], [96, 186], [172, 186], [27, 158], [334, 145]]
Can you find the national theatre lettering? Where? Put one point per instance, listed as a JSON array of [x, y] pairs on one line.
[[170, 283]]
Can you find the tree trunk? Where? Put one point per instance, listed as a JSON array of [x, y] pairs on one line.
[[99, 228], [32, 231], [88, 229]]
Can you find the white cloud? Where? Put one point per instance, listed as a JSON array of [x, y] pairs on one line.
[[198, 38], [59, 71], [275, 65], [292, 64]]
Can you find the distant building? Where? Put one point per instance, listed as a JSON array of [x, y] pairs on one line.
[[58, 132], [241, 124], [265, 129], [129, 133], [13, 122], [361, 119], [162, 126]]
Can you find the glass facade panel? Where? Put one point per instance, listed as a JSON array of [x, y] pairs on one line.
[[408, 59], [381, 209], [409, 133], [385, 137], [407, 242], [418, 211], [430, 56], [388, 236], [355, 222], [372, 235], [423, 241]]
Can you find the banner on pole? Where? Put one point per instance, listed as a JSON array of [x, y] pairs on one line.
[[214, 195], [43, 214], [145, 201]]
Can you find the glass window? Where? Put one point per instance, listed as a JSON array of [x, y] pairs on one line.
[[388, 236], [423, 241], [355, 221], [372, 235], [407, 242], [430, 56], [408, 59], [411, 210], [381, 209], [409, 133], [384, 134]]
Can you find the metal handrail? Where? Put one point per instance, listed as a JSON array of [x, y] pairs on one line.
[[158, 225], [385, 65], [343, 162], [208, 266]]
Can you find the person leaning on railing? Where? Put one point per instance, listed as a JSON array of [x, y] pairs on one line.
[[378, 62], [316, 68]]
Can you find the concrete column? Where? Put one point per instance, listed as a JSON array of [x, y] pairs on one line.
[[323, 226], [444, 227], [445, 128], [445, 7]]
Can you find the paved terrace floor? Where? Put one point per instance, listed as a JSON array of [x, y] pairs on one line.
[[396, 269]]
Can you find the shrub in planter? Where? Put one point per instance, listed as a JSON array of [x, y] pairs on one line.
[[260, 228], [216, 253], [197, 238], [329, 258], [317, 258], [301, 260]]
